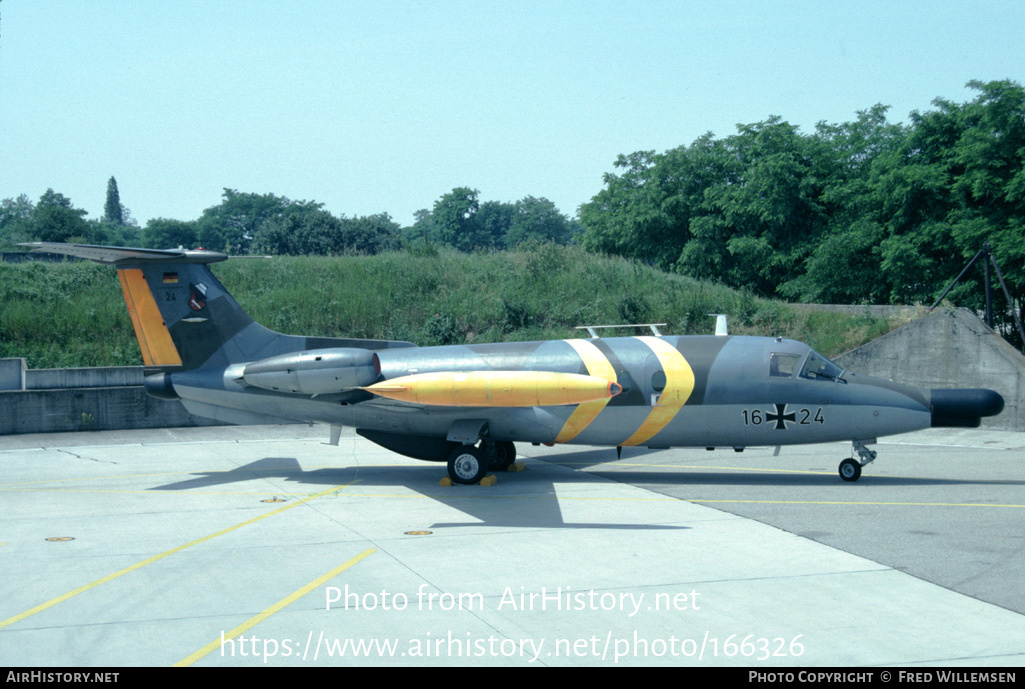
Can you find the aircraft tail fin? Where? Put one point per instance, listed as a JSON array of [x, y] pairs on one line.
[[184, 317], [158, 349]]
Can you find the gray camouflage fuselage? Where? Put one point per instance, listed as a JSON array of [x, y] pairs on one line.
[[664, 391], [735, 402]]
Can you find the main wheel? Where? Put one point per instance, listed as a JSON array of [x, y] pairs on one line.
[[850, 470], [500, 454], [466, 465]]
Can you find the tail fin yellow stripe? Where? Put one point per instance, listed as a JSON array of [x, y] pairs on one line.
[[679, 386], [598, 366], [150, 330]]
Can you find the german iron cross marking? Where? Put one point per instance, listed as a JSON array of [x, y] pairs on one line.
[[781, 417]]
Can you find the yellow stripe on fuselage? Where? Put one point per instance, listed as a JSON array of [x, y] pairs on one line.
[[598, 366], [679, 386], [150, 330]]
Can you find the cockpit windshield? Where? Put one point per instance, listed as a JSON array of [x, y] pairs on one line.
[[783, 365], [818, 367]]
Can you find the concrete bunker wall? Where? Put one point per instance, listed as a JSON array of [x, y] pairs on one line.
[[949, 348]]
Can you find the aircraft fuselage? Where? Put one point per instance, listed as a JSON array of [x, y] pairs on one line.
[[467, 404], [683, 391]]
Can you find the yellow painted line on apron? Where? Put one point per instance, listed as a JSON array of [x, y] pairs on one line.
[[148, 561], [679, 386], [615, 463], [854, 502], [598, 366], [283, 603], [699, 501], [210, 475], [190, 493], [552, 498]]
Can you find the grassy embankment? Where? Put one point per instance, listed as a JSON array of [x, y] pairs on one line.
[[73, 314]]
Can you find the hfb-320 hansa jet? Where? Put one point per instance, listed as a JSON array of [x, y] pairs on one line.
[[467, 404]]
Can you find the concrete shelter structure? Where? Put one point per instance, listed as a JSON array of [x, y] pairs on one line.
[[950, 347]]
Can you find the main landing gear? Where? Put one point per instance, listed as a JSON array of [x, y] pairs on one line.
[[500, 454], [850, 468], [468, 464]]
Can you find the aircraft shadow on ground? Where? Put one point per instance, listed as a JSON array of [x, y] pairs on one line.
[[776, 474], [520, 499]]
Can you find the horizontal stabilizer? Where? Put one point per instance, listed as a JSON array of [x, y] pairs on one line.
[[117, 255]]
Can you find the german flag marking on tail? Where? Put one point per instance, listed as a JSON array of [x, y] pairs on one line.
[[150, 330]]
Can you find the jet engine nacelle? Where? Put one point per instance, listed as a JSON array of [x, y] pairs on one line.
[[317, 372]]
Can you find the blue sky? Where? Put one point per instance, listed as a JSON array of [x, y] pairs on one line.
[[385, 106]]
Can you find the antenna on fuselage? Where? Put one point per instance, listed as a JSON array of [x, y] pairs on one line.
[[720, 324], [592, 330]]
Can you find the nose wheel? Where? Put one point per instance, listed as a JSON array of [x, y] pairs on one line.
[[850, 468]]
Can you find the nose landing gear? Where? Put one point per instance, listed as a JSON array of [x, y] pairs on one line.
[[850, 468]]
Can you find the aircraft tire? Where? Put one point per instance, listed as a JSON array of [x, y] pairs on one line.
[[467, 465], [850, 470], [501, 455]]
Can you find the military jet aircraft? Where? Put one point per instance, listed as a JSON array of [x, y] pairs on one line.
[[467, 404]]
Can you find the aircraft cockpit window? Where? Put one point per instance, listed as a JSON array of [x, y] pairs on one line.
[[819, 367], [783, 365]]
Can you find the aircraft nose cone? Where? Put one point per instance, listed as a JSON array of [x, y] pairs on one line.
[[964, 408]]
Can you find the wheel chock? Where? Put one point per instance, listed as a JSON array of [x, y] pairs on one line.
[[517, 466], [488, 480]]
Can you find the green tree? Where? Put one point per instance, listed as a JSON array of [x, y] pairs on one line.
[[368, 235], [422, 229], [17, 220], [844, 268], [167, 233], [113, 211], [57, 220], [843, 263], [232, 224], [454, 220], [303, 232], [858, 211], [494, 219], [537, 219], [991, 190], [629, 218], [948, 189]]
